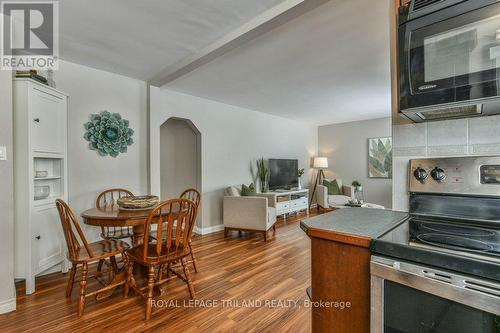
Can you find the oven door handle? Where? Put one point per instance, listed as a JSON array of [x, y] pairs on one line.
[[473, 292], [431, 274]]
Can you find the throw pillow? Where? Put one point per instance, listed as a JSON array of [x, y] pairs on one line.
[[248, 191], [333, 187], [232, 191]]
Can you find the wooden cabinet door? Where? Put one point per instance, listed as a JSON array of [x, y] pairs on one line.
[[48, 122], [48, 243]]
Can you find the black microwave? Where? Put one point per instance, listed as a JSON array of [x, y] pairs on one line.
[[449, 59]]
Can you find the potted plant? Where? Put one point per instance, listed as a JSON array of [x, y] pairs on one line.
[[357, 185], [262, 173], [300, 173]]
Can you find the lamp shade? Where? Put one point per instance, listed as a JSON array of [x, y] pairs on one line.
[[320, 163]]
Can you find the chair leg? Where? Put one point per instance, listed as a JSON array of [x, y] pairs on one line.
[[114, 264], [193, 258], [71, 280], [188, 278], [169, 273], [226, 231], [160, 273], [99, 267], [83, 286], [151, 284], [274, 229], [129, 268]]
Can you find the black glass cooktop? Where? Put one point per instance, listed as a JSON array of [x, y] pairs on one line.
[[455, 236], [466, 248]]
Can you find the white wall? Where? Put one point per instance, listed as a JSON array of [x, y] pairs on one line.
[[92, 91], [7, 291], [461, 137], [346, 146], [179, 158], [232, 138]]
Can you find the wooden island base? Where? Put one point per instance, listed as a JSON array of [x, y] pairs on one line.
[[340, 273], [340, 266]]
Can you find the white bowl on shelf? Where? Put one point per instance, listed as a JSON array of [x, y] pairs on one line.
[[42, 192], [41, 174]]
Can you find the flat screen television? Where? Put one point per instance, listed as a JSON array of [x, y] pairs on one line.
[[283, 173]]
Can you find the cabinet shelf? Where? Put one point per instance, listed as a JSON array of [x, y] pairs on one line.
[[46, 201], [47, 178], [287, 202], [54, 167]]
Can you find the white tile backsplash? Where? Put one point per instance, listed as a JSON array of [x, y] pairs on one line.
[[485, 149], [461, 137], [409, 151], [447, 133], [400, 183], [450, 150], [484, 130], [410, 135]]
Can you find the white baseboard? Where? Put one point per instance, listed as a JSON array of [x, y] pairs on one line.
[[8, 305], [208, 230], [52, 269]]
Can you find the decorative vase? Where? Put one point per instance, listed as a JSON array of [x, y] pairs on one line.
[[263, 187], [299, 185]]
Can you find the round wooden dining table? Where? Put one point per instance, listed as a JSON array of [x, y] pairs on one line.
[[113, 216]]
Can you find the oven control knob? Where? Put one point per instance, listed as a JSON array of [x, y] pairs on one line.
[[420, 174], [438, 174]]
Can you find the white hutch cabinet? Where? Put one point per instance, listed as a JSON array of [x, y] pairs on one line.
[[40, 177]]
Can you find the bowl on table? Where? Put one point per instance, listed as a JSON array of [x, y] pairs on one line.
[[138, 202]]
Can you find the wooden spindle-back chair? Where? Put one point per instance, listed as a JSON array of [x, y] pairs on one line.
[[195, 196], [83, 253], [171, 222], [108, 199]]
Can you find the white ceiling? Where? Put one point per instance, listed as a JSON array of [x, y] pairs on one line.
[[138, 38], [330, 65]]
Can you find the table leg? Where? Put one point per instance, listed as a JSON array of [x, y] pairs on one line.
[[137, 239]]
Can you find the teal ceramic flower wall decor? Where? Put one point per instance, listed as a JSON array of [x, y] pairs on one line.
[[108, 133]]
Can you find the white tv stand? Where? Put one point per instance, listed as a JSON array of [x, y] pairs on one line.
[[288, 201]]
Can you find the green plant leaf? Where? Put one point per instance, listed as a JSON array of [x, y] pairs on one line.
[[380, 158]]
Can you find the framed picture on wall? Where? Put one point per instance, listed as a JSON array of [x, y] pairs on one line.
[[380, 157]]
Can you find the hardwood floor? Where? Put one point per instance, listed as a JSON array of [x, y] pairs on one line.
[[237, 268]]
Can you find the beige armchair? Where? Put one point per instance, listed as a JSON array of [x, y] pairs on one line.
[[327, 201], [247, 213]]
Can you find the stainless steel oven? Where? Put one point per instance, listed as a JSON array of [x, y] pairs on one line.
[[449, 59], [439, 271], [407, 297]]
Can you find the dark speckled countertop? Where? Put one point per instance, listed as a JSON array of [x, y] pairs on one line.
[[365, 223]]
